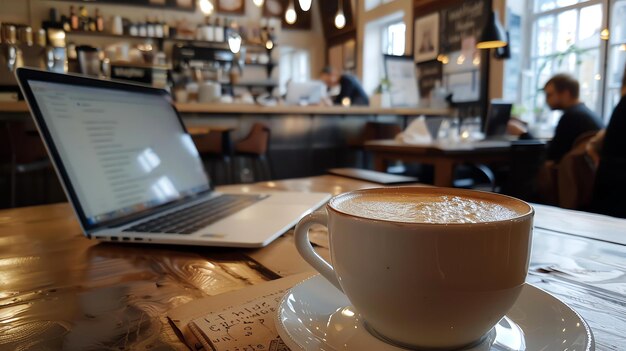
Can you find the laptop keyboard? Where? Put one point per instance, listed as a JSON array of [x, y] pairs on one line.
[[191, 219]]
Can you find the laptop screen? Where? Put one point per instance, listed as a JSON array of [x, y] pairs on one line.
[[123, 151]]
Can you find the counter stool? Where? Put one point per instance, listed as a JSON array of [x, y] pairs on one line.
[[253, 151], [215, 147]]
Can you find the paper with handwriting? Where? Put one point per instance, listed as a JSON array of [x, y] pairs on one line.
[[240, 320], [246, 327]]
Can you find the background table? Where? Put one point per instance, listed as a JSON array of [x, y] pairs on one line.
[[442, 156], [59, 290]]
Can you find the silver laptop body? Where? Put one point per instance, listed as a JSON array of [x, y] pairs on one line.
[[133, 174]]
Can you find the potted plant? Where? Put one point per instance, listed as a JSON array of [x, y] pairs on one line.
[[381, 97]]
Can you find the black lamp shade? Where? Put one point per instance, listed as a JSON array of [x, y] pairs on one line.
[[493, 35]]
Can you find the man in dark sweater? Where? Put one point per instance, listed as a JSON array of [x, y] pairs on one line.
[[349, 87], [562, 93]]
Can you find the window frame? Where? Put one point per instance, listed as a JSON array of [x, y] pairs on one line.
[[528, 59], [385, 36]]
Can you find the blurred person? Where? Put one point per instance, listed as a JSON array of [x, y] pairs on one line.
[[349, 87], [562, 93]]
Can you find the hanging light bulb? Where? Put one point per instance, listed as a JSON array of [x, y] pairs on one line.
[[305, 5], [340, 18], [206, 7], [234, 42], [258, 3], [290, 14], [605, 34]]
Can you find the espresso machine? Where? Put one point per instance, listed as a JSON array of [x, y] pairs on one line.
[[56, 54], [21, 46]]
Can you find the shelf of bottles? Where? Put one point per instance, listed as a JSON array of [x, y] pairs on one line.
[[214, 32]]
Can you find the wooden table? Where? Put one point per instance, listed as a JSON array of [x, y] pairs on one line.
[[59, 290], [444, 157]]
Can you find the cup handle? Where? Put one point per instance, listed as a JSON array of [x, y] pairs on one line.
[[306, 249]]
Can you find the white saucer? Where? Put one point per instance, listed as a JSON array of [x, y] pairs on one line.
[[314, 315]]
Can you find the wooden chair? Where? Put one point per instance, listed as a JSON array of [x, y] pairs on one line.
[[215, 148], [575, 175], [253, 149]]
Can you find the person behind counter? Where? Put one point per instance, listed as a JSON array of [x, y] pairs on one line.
[[349, 87]]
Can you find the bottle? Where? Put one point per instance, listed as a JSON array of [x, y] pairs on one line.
[[143, 29], [99, 21], [166, 30], [158, 28], [92, 24], [219, 30], [41, 37], [227, 28], [150, 30], [209, 29], [53, 15], [73, 18], [84, 18], [65, 22]]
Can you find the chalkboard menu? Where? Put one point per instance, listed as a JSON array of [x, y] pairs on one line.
[[429, 73], [460, 22], [459, 65]]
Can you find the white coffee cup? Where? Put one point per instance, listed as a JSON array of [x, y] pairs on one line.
[[424, 285]]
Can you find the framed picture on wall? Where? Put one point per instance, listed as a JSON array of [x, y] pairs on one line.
[[236, 7], [426, 35], [184, 4], [400, 71]]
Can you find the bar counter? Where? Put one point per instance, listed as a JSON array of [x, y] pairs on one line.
[[253, 109], [305, 140]]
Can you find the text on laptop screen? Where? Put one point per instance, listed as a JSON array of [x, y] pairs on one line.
[[123, 151]]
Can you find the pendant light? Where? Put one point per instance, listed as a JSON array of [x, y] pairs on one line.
[[493, 35], [290, 14], [340, 18], [258, 3], [305, 5], [234, 42]]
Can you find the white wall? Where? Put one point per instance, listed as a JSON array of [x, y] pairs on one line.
[[34, 11]]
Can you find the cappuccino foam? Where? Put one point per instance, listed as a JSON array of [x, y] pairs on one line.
[[423, 208]]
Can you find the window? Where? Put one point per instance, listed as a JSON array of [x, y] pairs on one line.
[[385, 35], [394, 39], [372, 4], [294, 67], [567, 36], [616, 59]]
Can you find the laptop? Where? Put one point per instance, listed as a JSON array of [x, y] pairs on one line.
[[305, 93], [497, 120], [133, 174]]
